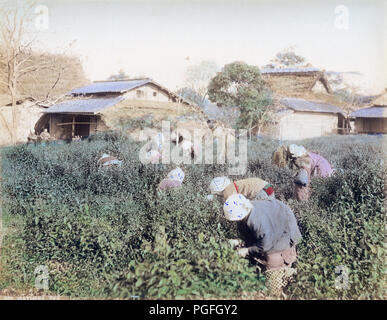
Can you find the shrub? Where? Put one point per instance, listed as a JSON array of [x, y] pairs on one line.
[[98, 229], [343, 227], [209, 269]]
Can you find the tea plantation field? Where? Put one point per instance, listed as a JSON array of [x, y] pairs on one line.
[[110, 233]]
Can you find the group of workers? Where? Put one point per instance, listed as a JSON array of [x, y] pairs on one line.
[[307, 164], [267, 227], [155, 144]]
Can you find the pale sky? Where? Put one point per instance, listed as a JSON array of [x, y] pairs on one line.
[[154, 37]]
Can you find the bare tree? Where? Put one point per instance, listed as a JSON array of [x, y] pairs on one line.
[[198, 76], [351, 101], [18, 58]]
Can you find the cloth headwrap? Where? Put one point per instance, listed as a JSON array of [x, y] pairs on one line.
[[176, 174], [218, 184], [237, 207], [297, 151]]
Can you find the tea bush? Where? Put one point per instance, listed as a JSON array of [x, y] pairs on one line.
[[343, 228], [211, 268], [112, 233]]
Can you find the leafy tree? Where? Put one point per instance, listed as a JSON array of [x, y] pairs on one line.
[[121, 75], [286, 58], [240, 84], [256, 110]]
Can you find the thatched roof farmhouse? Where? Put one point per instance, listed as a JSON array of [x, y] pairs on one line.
[[301, 111], [296, 80]]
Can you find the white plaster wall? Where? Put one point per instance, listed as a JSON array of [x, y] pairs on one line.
[[302, 125], [148, 94]]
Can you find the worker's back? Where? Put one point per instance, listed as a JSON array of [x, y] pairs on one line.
[[248, 187], [271, 226], [320, 166]]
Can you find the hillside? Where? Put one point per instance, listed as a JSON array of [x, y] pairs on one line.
[[37, 84]]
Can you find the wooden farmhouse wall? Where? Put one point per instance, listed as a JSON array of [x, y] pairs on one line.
[[302, 125], [61, 125], [371, 125]]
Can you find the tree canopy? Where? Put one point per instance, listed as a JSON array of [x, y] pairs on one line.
[[286, 58], [230, 86], [121, 75], [241, 85]]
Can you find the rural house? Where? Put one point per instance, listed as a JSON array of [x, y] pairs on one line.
[[373, 119], [305, 107], [295, 80], [28, 111], [101, 105], [301, 119]]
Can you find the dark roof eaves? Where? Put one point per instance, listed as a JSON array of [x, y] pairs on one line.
[[284, 102], [71, 112], [362, 113]]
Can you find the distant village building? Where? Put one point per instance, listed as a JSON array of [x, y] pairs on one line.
[[305, 107], [295, 80], [29, 112], [372, 120], [301, 119], [87, 107]]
